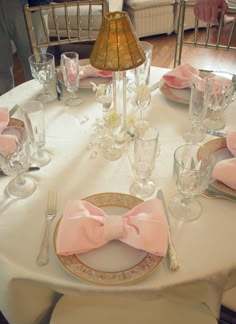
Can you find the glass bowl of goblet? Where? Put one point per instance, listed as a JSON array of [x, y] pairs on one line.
[[15, 161]]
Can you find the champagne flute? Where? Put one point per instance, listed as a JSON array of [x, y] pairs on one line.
[[43, 70], [192, 172], [196, 113], [70, 71], [15, 161], [142, 99], [144, 156], [33, 112]]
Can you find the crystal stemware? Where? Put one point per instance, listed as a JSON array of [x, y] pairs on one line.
[[43, 70], [142, 99], [196, 113], [15, 161], [104, 97], [70, 72], [33, 112], [192, 172], [144, 156]]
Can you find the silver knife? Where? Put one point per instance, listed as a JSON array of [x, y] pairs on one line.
[[13, 110], [173, 261], [154, 86]]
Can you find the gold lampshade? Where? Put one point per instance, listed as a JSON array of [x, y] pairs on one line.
[[117, 47]]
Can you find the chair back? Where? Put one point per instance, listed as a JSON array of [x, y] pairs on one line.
[[207, 36], [64, 23]]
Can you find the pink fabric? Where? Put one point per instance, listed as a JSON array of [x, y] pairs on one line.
[[225, 170], [84, 227], [87, 71], [4, 118], [8, 143], [182, 76]]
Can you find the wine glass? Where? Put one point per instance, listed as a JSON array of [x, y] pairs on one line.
[[144, 156], [220, 90], [70, 72], [196, 113], [192, 172], [33, 112], [43, 70], [142, 99], [15, 160]]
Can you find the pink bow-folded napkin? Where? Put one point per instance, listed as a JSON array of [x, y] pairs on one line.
[[183, 76], [85, 227], [88, 71], [4, 118], [225, 170]]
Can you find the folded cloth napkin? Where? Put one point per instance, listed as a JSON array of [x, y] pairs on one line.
[[225, 170], [181, 77], [4, 118], [8, 142], [84, 227], [87, 71]]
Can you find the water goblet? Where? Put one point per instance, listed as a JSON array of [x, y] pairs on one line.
[[43, 70], [142, 99], [220, 90], [196, 113], [192, 172], [33, 112], [15, 161], [144, 156], [142, 72], [70, 72]]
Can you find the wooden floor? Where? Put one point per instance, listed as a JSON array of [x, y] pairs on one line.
[[163, 56]]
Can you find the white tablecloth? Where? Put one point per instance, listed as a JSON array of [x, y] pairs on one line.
[[205, 247]]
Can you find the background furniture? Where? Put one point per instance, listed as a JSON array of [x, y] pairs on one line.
[[210, 36], [66, 23]]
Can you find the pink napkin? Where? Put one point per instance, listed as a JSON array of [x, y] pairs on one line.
[[225, 170], [87, 71], [84, 227], [182, 76], [4, 118], [8, 143]]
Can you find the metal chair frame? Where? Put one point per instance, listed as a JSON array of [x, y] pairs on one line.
[[181, 40], [66, 36]]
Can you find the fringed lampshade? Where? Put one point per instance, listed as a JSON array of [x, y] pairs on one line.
[[117, 47]]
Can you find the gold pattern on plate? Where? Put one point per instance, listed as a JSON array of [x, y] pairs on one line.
[[77, 268], [214, 146]]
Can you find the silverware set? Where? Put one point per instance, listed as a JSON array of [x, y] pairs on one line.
[[215, 195]]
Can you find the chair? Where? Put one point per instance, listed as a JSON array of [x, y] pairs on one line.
[[118, 308], [65, 23], [208, 36]]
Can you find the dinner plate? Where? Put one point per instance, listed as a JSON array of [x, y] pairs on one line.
[[115, 263], [219, 149], [85, 83], [178, 95]]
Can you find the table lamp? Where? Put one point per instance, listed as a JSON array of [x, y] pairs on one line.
[[117, 49]]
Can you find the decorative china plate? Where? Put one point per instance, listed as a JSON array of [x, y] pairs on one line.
[[85, 83], [219, 149], [115, 263], [178, 95]]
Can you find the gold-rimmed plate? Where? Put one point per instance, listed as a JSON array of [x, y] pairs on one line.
[[219, 149], [177, 95], [116, 263]]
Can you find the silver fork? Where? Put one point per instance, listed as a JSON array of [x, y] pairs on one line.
[[43, 256], [214, 195]]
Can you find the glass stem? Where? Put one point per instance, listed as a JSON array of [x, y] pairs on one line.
[[186, 201], [20, 180]]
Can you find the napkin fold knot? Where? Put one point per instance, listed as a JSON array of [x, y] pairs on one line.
[[84, 227]]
